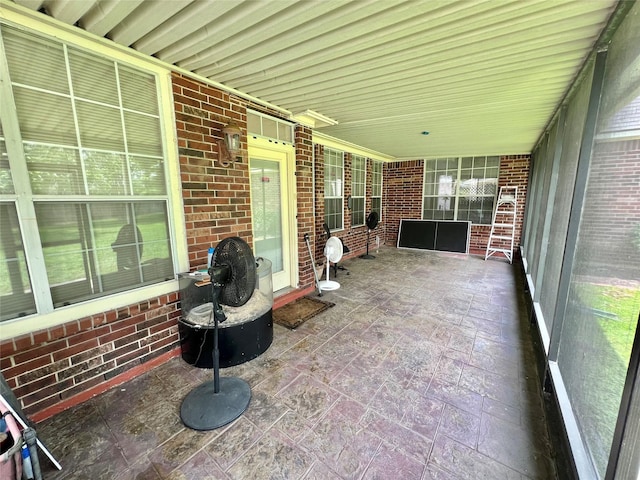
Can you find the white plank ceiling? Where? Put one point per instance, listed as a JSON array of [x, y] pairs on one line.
[[482, 77]]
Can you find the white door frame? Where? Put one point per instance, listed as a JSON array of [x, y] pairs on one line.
[[268, 150]]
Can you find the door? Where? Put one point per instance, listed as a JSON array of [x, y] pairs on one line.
[[272, 212]]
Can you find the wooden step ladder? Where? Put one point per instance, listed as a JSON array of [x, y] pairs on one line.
[[503, 226]]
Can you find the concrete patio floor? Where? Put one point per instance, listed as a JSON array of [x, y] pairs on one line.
[[423, 369]]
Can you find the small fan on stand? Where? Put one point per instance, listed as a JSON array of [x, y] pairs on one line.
[[233, 279], [333, 254], [372, 223]]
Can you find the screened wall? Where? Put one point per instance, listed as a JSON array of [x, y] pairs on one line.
[[582, 253]]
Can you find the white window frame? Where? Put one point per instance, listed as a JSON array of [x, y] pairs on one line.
[[258, 125], [48, 317], [362, 173], [376, 185], [334, 187], [455, 193]]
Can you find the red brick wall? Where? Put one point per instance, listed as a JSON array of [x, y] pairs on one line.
[[49, 366], [217, 201], [403, 197], [305, 214]]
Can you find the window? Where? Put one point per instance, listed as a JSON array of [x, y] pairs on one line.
[[376, 188], [333, 193], [269, 127], [358, 176], [460, 189], [82, 143]]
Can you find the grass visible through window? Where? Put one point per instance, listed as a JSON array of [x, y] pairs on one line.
[[617, 308]]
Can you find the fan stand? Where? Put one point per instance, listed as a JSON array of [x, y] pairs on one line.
[[366, 256], [218, 402], [328, 284]]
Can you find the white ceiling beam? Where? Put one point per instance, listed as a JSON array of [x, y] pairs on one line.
[[391, 53], [268, 29], [183, 24], [105, 15], [407, 32], [395, 82], [69, 11], [148, 16], [420, 107], [485, 55], [336, 27], [234, 21], [31, 4]]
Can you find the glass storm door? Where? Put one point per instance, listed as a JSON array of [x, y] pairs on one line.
[[270, 212]]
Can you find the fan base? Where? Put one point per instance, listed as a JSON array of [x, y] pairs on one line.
[[203, 409], [328, 285], [367, 256]]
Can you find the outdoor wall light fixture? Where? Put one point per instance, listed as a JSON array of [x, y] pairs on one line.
[[229, 149]]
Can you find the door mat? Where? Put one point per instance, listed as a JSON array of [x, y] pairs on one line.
[[294, 314]]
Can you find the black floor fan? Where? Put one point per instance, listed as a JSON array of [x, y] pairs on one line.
[[233, 279], [372, 223]]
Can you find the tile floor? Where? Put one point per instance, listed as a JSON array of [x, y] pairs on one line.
[[423, 369]]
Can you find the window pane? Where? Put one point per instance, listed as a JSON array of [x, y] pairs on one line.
[[16, 296], [357, 211], [478, 210], [477, 190], [284, 132], [139, 91], [376, 180], [143, 133], [438, 208], [147, 176], [333, 213], [56, 126], [375, 206], [54, 170], [269, 127], [253, 123], [333, 173], [6, 182], [266, 202], [100, 126], [93, 78], [106, 173], [45, 67], [94, 249], [358, 166]]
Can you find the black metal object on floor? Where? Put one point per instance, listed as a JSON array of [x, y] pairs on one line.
[[219, 402]]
